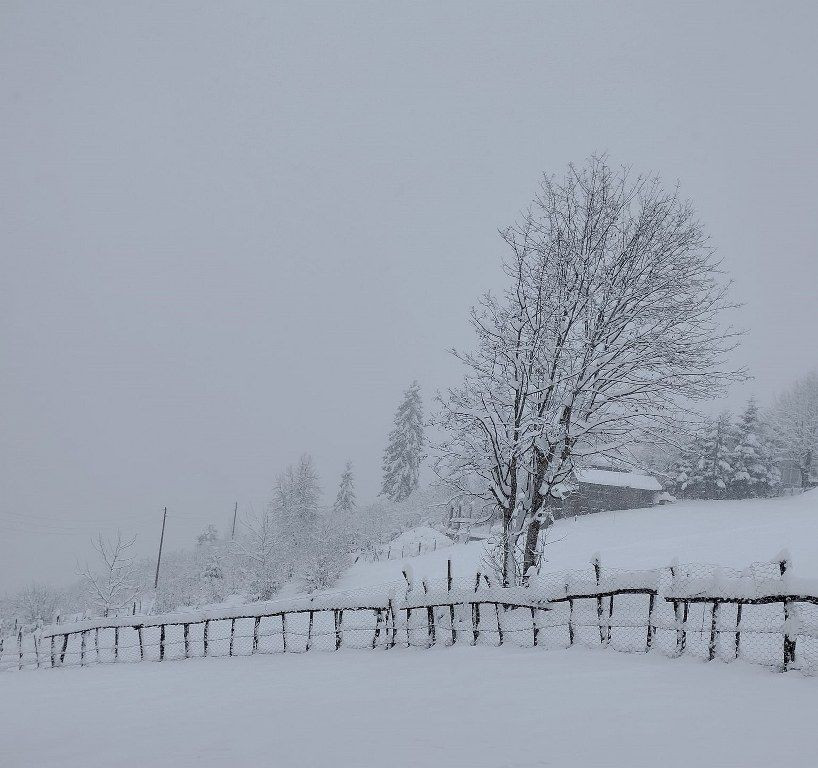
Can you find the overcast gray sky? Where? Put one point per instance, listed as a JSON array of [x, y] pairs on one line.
[[234, 232]]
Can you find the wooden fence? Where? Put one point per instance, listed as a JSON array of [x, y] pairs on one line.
[[634, 611]]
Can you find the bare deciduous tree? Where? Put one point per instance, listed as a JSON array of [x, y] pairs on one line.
[[794, 422], [115, 583], [609, 323]]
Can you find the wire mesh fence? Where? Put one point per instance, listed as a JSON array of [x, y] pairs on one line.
[[759, 615]]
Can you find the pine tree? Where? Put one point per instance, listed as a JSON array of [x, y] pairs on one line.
[[754, 471], [404, 450], [713, 470], [345, 500]]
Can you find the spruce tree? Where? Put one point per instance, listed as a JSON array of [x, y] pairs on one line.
[[753, 470], [345, 499], [404, 449], [713, 470]]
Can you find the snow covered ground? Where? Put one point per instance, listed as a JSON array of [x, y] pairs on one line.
[[727, 533], [448, 707]]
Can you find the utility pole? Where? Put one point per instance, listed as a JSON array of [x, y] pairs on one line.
[[235, 512], [161, 540]]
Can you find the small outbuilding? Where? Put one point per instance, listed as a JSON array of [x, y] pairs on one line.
[[601, 490]]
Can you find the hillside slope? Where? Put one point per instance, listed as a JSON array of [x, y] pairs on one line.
[[730, 533]]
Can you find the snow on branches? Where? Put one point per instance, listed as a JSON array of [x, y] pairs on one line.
[[610, 318]]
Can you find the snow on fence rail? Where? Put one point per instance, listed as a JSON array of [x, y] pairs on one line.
[[760, 615]]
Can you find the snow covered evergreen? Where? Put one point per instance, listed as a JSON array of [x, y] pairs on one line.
[[753, 470], [404, 450], [345, 501]]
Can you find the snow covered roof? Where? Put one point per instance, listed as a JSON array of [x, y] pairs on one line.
[[618, 479]]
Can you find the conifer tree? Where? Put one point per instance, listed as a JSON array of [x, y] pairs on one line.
[[404, 449], [753, 470], [713, 470], [345, 499]]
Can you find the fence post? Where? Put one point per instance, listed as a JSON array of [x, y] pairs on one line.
[[499, 625], [789, 643], [475, 620], [204, 636], [570, 621], [738, 628], [430, 620], [186, 632], [595, 563], [675, 608], [20, 647], [534, 625], [96, 643], [375, 634], [256, 625], [64, 649], [82, 648], [284, 631], [116, 643], [309, 632], [448, 590], [52, 652], [391, 610], [141, 645], [685, 610], [232, 634], [649, 640], [338, 628], [711, 648], [408, 636], [36, 650]]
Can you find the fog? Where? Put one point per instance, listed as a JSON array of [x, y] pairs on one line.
[[233, 233]]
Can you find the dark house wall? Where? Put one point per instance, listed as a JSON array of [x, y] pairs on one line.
[[602, 498]]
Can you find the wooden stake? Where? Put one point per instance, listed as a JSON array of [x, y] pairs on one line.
[[186, 633], [204, 636], [256, 625]]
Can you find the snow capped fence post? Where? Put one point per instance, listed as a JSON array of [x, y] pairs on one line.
[[96, 643], [36, 651], [430, 620], [534, 627], [52, 651], [595, 563], [685, 611], [448, 590], [116, 644], [204, 637], [64, 649], [391, 611], [256, 624], [499, 625], [789, 643], [186, 633], [82, 649], [162, 642], [338, 616], [649, 640], [673, 576], [20, 647], [141, 645], [711, 647], [377, 631], [232, 635], [738, 628], [309, 631], [284, 632]]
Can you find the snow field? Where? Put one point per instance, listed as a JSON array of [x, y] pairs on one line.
[[449, 708]]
